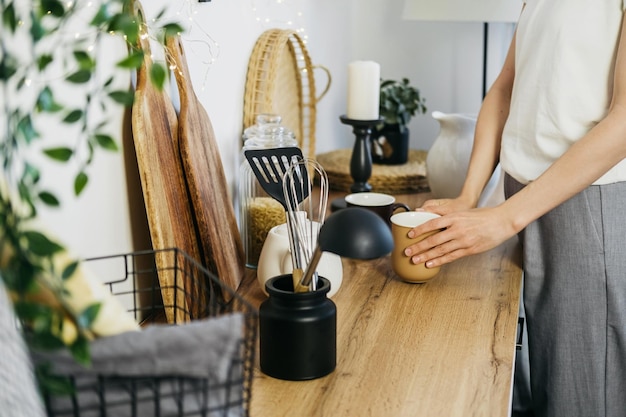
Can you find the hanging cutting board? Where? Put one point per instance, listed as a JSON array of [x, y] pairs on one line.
[[155, 130], [213, 210]]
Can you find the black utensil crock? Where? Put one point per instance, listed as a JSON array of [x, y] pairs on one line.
[[298, 331]]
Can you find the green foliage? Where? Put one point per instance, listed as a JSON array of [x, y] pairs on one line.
[[399, 102], [34, 49]]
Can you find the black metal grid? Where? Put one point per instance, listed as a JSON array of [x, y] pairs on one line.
[[136, 283]]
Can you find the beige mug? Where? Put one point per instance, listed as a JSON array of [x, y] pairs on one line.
[[402, 265], [382, 204]]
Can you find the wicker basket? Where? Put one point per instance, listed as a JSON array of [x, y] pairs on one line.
[[281, 80]]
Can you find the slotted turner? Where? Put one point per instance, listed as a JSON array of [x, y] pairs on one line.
[[269, 167]]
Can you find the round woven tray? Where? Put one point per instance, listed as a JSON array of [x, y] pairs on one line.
[[280, 80], [393, 179]]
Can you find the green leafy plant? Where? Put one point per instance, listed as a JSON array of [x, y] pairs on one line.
[[37, 60], [399, 102]]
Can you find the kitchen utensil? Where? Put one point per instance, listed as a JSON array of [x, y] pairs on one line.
[[305, 215], [352, 232], [214, 214], [258, 212], [155, 131], [269, 166]]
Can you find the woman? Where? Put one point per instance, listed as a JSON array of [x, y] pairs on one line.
[[555, 118]]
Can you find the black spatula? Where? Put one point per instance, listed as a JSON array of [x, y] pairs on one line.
[[269, 167]]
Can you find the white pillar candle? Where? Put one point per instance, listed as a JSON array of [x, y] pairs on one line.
[[363, 90]]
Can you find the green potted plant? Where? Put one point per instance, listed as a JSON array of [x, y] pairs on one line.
[[399, 102], [34, 50]]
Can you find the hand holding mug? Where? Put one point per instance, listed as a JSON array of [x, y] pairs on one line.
[[402, 264]]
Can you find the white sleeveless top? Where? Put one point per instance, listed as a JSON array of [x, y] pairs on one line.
[[565, 56]]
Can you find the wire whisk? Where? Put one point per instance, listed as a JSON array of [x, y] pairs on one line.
[[304, 218]]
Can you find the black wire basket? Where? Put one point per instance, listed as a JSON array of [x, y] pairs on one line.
[[136, 283]]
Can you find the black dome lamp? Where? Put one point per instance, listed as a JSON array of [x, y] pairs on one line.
[[352, 232]]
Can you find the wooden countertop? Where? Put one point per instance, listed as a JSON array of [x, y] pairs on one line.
[[443, 348]]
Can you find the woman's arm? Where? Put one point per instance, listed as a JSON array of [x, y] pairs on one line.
[[473, 231], [487, 137]]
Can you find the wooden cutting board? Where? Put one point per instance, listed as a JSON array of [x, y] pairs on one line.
[[155, 130], [213, 210]]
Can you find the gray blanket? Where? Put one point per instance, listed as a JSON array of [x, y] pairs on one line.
[[165, 370]]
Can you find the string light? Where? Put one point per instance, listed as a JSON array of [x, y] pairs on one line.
[[281, 14], [201, 43]]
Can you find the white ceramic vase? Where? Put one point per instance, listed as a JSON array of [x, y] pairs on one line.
[[275, 259], [448, 157]]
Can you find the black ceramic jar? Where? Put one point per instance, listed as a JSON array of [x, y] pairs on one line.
[[297, 331]]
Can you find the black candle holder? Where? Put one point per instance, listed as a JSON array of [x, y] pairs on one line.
[[361, 160]]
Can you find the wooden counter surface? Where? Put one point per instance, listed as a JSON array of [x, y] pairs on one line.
[[443, 348]]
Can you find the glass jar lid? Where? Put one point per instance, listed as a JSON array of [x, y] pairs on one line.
[[268, 132]]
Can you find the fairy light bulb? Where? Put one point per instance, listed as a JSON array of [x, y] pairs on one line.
[[268, 14]]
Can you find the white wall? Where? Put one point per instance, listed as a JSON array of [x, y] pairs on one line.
[[443, 60]]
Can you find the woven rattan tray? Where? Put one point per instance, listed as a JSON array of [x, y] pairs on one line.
[[281, 80], [393, 179]]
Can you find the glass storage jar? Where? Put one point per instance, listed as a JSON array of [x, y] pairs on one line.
[[258, 212]]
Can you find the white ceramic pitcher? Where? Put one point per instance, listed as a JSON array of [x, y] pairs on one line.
[[275, 259], [448, 157]]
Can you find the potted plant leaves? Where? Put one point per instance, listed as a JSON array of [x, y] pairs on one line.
[[399, 102]]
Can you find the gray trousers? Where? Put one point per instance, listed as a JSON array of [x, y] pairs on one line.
[[575, 304]]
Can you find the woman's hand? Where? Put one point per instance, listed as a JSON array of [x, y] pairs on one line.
[[461, 233], [445, 205]]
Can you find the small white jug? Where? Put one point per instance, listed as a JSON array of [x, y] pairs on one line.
[[275, 259], [448, 158]]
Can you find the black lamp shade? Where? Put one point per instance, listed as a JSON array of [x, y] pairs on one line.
[[356, 233]]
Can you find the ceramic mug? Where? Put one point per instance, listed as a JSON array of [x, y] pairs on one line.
[[402, 265], [382, 204], [275, 259]]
